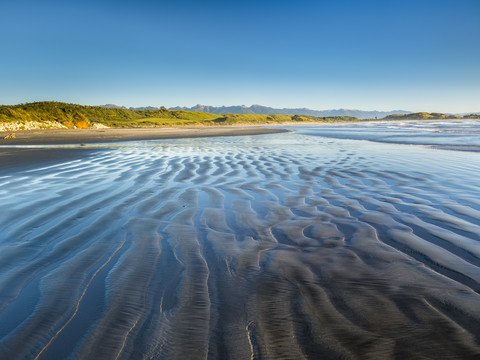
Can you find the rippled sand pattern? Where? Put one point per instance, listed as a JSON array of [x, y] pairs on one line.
[[270, 247]]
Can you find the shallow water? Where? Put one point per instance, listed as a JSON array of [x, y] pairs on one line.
[[277, 246], [457, 135]]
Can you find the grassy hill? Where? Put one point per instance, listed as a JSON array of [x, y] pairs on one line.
[[421, 116], [52, 113]]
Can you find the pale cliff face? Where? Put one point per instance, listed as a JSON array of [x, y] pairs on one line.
[[30, 125]]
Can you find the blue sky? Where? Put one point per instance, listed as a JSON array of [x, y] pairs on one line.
[[421, 55]]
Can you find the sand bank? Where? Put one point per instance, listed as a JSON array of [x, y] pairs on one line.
[[78, 136]]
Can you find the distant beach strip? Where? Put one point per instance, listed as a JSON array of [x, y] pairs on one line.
[[88, 136]]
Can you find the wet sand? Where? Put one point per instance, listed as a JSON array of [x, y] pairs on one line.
[[18, 159], [86, 136], [266, 247]]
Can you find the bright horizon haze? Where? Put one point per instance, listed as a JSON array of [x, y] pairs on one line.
[[420, 55]]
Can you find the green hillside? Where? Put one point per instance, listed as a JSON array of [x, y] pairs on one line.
[[421, 116], [71, 116]]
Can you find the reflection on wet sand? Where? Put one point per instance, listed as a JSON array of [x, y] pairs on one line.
[[278, 247]]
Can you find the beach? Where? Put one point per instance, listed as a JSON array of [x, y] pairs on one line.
[[87, 136], [295, 245], [14, 154]]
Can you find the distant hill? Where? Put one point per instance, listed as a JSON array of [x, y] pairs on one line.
[[113, 106], [145, 108], [422, 116], [51, 114], [470, 115], [264, 110]]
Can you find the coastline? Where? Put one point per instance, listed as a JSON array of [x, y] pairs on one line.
[[89, 136], [14, 157]]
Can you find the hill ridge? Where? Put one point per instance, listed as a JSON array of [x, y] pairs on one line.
[[266, 110]]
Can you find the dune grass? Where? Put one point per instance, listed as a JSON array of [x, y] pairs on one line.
[[80, 116]]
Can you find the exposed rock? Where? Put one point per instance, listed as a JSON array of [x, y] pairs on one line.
[[30, 125], [100, 126]]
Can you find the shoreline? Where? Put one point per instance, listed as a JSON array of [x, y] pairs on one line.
[[20, 153], [89, 136], [259, 222]]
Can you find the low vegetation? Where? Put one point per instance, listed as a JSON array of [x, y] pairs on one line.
[[472, 116], [422, 116], [79, 116], [51, 114]]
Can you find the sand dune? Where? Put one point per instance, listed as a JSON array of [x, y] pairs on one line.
[[274, 247]]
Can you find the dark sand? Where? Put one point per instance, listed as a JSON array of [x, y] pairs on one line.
[[273, 247], [14, 158], [84, 136], [18, 159]]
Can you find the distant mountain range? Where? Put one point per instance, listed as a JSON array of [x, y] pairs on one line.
[[113, 106], [265, 110]]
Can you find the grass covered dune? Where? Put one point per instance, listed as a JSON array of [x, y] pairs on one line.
[[49, 114]]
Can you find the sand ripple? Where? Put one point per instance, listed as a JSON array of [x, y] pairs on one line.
[[274, 247]]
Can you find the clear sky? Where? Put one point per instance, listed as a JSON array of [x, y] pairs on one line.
[[417, 55]]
